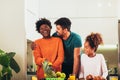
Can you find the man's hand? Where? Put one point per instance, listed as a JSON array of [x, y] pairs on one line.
[[33, 45]]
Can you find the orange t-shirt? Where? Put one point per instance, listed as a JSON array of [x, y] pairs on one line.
[[50, 49]]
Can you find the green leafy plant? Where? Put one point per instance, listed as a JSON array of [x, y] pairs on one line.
[[50, 73], [48, 70], [7, 64]]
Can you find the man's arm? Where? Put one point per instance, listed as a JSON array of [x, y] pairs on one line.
[[76, 64], [33, 45]]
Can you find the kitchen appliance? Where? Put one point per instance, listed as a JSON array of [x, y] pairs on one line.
[[119, 47]]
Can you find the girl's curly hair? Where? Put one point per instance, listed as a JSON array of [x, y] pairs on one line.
[[94, 40]]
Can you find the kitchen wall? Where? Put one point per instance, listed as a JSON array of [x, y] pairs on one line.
[[86, 15], [31, 16], [12, 33], [118, 9]]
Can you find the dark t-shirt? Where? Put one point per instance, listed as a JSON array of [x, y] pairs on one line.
[[74, 41]]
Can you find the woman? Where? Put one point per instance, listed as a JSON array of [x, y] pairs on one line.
[[47, 47], [93, 64]]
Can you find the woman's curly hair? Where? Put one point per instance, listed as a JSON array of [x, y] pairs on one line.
[[41, 22]]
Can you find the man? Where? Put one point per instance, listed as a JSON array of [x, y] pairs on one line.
[[72, 44]]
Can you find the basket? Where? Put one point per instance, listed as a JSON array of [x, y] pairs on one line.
[[54, 78]]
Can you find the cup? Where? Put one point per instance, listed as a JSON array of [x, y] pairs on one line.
[[72, 77]]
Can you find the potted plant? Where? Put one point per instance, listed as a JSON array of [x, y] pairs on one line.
[[7, 64]]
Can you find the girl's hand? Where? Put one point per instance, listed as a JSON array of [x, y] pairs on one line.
[[89, 77]]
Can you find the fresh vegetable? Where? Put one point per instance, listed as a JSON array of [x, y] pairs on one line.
[[49, 71]]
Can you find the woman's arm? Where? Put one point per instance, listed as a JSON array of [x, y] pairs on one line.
[[37, 55], [60, 55]]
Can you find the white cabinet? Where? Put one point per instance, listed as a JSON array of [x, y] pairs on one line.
[[77, 8], [86, 15]]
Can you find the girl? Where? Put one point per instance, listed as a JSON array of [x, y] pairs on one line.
[[93, 64]]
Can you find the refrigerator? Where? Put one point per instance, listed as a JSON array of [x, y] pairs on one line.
[[119, 47]]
